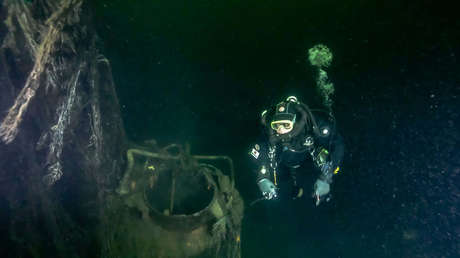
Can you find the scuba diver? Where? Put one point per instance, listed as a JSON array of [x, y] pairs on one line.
[[292, 135]]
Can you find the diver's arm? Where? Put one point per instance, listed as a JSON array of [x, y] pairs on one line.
[[332, 163], [263, 170], [329, 167], [337, 152]]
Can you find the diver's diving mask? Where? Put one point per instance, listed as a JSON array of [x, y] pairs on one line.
[[275, 125]]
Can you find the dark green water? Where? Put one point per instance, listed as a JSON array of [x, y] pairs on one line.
[[202, 71]]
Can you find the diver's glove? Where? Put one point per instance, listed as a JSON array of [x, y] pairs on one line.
[[321, 191], [267, 188]]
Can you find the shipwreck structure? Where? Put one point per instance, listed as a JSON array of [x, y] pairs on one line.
[[61, 133], [174, 204], [64, 191]]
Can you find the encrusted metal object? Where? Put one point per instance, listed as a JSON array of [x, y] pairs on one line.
[[186, 206]]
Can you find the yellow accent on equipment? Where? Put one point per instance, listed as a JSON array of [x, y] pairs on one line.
[[336, 170]]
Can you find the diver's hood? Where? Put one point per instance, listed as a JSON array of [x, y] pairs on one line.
[[285, 111]]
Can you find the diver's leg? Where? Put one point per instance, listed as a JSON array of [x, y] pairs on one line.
[[297, 191]]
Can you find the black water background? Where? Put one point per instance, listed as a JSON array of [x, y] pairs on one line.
[[202, 71]]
